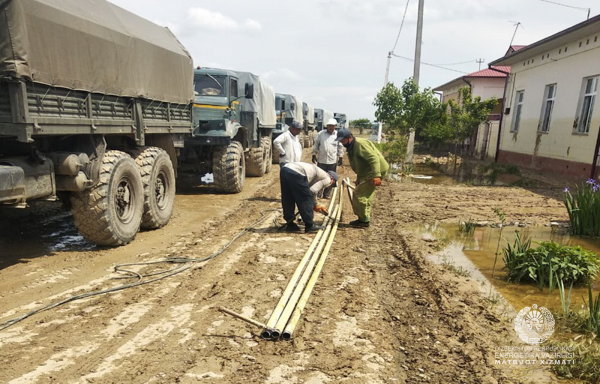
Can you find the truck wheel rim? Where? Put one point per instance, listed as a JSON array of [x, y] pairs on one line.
[[241, 171], [124, 201], [160, 190]]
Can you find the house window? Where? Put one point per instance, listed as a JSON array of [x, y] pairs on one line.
[[518, 108], [588, 97], [549, 95]]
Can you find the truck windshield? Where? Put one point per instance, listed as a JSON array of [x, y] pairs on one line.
[[209, 85]]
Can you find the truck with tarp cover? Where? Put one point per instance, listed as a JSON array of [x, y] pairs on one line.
[[95, 103], [289, 109], [322, 116], [341, 119], [234, 117], [308, 115]]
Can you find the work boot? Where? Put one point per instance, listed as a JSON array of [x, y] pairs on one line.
[[292, 227], [359, 224], [312, 228]]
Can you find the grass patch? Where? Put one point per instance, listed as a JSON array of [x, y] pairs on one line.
[[490, 172], [587, 361], [583, 208], [467, 227]]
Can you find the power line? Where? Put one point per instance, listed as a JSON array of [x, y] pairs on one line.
[[462, 62], [401, 24], [429, 64]]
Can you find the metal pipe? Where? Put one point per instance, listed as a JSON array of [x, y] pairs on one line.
[[297, 291], [241, 317], [287, 333], [267, 332]]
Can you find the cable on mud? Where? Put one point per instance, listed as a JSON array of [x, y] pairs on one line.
[[188, 263]]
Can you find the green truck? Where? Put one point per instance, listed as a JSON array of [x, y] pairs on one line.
[[95, 104], [234, 119]]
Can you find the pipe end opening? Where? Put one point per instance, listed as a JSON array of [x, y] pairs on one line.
[[266, 334], [275, 335], [286, 336]]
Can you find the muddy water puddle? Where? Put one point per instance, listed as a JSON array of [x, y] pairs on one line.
[[475, 252], [431, 174]]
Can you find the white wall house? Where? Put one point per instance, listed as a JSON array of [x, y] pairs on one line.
[[551, 119], [486, 83]]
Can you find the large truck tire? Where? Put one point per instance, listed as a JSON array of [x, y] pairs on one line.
[[256, 163], [110, 213], [229, 167], [275, 154], [158, 179], [267, 143]]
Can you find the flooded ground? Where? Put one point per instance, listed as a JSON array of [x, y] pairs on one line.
[[479, 248]]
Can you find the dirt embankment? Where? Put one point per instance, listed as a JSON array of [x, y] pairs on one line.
[[380, 313]]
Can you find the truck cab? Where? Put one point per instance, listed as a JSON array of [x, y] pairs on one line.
[[217, 110]]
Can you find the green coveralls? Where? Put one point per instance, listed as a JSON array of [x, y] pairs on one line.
[[368, 163]]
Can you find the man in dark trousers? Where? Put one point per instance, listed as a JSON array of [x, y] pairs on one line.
[[300, 184]]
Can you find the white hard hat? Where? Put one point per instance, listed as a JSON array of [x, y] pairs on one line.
[[332, 122]]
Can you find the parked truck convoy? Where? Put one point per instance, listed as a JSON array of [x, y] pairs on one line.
[[99, 108], [94, 105], [341, 119], [234, 118]]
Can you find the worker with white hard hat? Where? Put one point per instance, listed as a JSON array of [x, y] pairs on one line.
[[328, 153]]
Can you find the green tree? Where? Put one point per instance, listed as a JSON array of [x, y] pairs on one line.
[[402, 109], [361, 124]]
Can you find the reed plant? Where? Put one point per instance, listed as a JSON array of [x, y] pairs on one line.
[[583, 208], [467, 227], [593, 305]]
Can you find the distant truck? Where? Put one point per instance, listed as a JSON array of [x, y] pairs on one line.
[[309, 124], [322, 116], [95, 103], [341, 119], [288, 109], [234, 119]]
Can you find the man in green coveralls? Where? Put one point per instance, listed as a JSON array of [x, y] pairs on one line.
[[370, 167]]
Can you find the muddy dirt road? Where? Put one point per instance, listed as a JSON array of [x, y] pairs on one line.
[[380, 313]]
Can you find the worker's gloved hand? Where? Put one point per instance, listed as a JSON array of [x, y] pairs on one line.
[[377, 181], [281, 154], [340, 161], [314, 159], [320, 208]]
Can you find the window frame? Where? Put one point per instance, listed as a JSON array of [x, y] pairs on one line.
[[233, 87], [547, 108], [581, 127], [518, 108]]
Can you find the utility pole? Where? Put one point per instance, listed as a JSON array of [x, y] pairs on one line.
[[480, 61], [387, 75], [416, 75]]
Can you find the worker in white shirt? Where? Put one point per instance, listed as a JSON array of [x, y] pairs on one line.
[[300, 184], [288, 145], [328, 153]]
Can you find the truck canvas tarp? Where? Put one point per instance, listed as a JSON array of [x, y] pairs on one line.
[[327, 115], [93, 46], [263, 102]]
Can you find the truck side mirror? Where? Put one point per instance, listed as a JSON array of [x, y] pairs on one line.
[[249, 91]]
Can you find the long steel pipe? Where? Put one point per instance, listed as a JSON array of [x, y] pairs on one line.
[[297, 291], [267, 332], [289, 329]]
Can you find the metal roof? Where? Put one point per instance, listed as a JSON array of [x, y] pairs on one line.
[[484, 73]]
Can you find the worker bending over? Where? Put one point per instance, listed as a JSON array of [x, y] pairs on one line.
[[370, 167], [328, 153], [288, 145], [300, 184]]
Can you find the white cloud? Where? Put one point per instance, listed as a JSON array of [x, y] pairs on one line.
[[216, 21], [281, 74]]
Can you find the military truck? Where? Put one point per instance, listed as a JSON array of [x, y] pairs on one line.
[[288, 109], [322, 116], [234, 117], [341, 119], [308, 126], [94, 104]]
